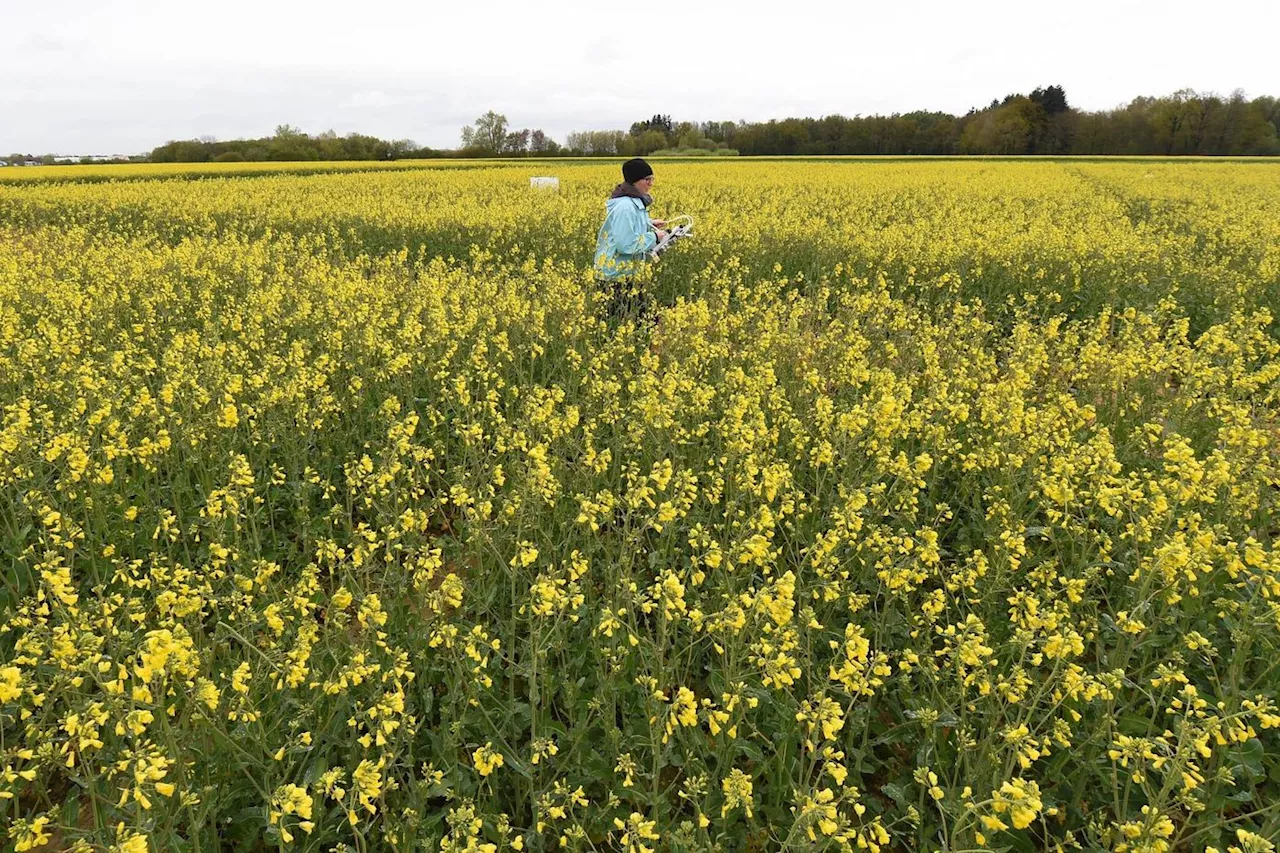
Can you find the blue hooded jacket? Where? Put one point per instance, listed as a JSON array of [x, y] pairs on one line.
[[625, 238]]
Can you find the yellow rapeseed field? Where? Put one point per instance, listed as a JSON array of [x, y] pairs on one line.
[[938, 512]]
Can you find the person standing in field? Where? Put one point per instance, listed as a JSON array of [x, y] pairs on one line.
[[624, 242]]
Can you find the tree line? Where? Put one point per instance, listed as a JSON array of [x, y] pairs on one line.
[[20, 159], [288, 144], [1041, 122]]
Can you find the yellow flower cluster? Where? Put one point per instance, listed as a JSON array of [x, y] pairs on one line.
[[939, 510]]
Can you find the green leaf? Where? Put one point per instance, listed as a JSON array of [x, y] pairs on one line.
[[895, 792], [1250, 755]]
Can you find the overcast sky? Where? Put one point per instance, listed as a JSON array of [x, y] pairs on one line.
[[122, 76]]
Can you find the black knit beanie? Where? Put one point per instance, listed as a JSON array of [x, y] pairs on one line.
[[635, 170]]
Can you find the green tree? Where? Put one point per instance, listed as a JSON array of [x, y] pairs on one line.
[[693, 138], [649, 141], [289, 143], [596, 142], [1170, 119], [659, 123], [516, 142], [1007, 129], [489, 132], [1052, 99]]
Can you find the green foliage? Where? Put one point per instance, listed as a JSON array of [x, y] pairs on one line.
[[289, 144], [597, 142], [488, 133], [1185, 122], [696, 152], [658, 123]]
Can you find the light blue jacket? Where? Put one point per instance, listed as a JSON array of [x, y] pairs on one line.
[[625, 238]]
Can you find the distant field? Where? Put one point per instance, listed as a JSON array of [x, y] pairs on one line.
[[939, 511], [135, 171]]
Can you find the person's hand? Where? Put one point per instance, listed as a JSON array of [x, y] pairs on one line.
[[658, 223], [662, 235]]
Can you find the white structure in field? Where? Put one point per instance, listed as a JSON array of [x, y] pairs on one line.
[[545, 183]]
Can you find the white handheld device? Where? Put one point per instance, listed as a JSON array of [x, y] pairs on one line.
[[679, 227]]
